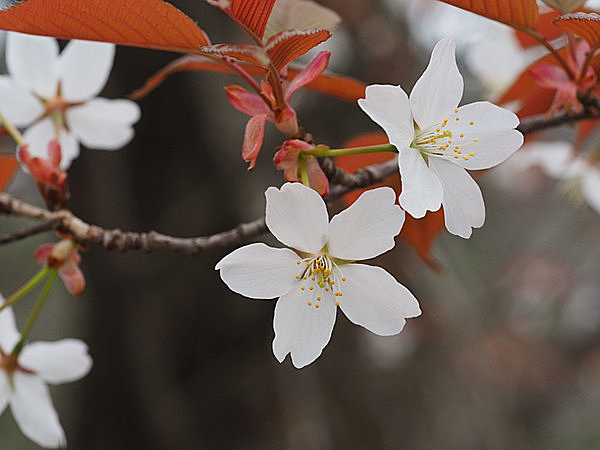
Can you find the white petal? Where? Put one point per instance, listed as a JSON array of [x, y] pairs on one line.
[[301, 329], [367, 228], [34, 413], [372, 298], [388, 106], [102, 123], [32, 61], [5, 391], [556, 158], [297, 217], [591, 188], [18, 105], [260, 271], [39, 135], [84, 67], [421, 188], [57, 362], [439, 90], [463, 202], [9, 335], [490, 140]]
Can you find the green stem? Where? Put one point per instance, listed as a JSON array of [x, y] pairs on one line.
[[26, 288], [34, 314], [324, 151], [551, 49], [303, 172], [12, 131]]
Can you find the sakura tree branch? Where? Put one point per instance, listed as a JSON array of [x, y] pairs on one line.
[[7, 238], [86, 234]]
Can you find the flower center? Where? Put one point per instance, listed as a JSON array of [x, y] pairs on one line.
[[447, 139], [319, 277]]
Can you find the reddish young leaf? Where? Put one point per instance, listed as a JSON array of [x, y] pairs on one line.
[[140, 23], [516, 13], [8, 166], [285, 47], [544, 26], [342, 87], [420, 233], [584, 25], [252, 15], [252, 54]]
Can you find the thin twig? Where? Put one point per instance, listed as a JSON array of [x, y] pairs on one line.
[[7, 238]]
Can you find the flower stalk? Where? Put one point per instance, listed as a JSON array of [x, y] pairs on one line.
[[33, 282]]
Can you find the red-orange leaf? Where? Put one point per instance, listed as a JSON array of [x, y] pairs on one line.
[[140, 23], [285, 47], [420, 233], [516, 13], [243, 52], [545, 27], [8, 166], [584, 25], [251, 14], [328, 83]]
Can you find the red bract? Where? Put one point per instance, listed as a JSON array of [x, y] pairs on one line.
[[265, 107], [289, 158], [566, 85], [50, 178], [65, 258]]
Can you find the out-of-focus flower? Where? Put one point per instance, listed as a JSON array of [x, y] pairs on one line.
[[320, 274], [580, 176], [264, 107], [289, 158], [54, 95], [50, 178], [555, 77], [437, 141], [24, 378], [65, 258]]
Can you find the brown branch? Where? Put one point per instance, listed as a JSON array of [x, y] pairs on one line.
[[342, 183], [84, 233], [7, 238]]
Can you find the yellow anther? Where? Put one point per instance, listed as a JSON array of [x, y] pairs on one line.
[[470, 123], [337, 303], [455, 156], [459, 152], [457, 119], [309, 303], [462, 135], [465, 158], [332, 282], [312, 278], [298, 262], [318, 299], [343, 278], [457, 147], [316, 306], [437, 130], [475, 140], [455, 111], [327, 289], [297, 277], [311, 288], [303, 288], [472, 154], [304, 277]]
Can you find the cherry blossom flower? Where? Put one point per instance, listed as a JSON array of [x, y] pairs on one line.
[[437, 140], [288, 158], [319, 272], [64, 257], [580, 177], [55, 96], [24, 378]]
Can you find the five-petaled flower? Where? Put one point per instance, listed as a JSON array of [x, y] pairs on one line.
[[320, 273], [24, 378], [55, 95], [437, 140]]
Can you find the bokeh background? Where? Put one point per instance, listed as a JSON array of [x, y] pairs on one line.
[[505, 355]]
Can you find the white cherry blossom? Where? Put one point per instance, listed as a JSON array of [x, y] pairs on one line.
[[23, 380], [579, 176], [55, 95], [437, 140], [319, 272]]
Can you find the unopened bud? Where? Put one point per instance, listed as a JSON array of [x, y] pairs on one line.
[[60, 254]]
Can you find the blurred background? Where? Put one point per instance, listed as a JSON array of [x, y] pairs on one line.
[[505, 355]]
